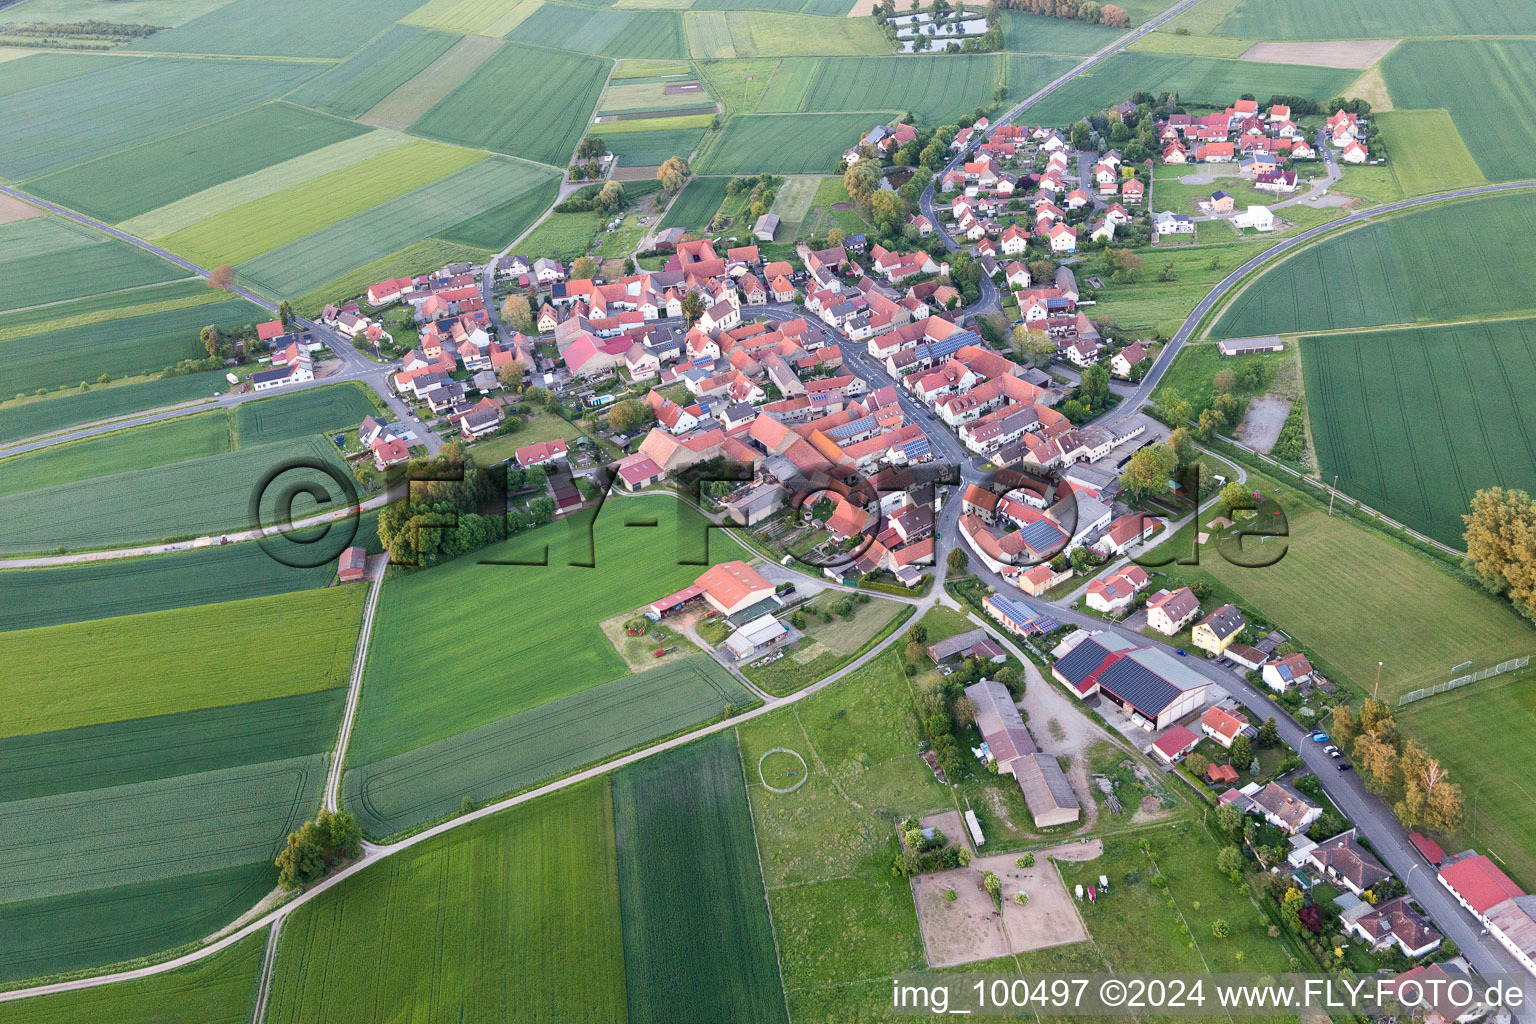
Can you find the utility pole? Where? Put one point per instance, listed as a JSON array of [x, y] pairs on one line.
[[1375, 689], [1333, 491]]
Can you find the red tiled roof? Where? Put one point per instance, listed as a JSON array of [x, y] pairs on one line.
[[1175, 741], [1479, 882]]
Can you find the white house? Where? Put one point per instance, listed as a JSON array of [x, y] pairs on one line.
[[1260, 218]]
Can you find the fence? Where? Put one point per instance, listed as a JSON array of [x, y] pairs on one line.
[[1459, 681]]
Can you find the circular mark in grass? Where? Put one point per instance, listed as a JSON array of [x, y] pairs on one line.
[[787, 770]]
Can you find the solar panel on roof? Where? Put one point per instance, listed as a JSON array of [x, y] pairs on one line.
[[1042, 534], [1139, 686], [917, 449]]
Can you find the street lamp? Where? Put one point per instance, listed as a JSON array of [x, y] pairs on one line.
[[1377, 687]]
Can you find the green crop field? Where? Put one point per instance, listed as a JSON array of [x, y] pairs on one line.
[[279, 218], [1195, 79], [931, 87], [218, 990], [553, 106], [1375, 19], [557, 648], [32, 417], [120, 305], [332, 29], [758, 33], [428, 88], [1428, 154], [536, 745], [1415, 421], [661, 122], [49, 259], [1033, 33], [365, 78], [609, 32], [312, 411], [709, 36], [1500, 810], [181, 499], [35, 70], [1484, 85], [650, 93], [421, 257], [785, 88], [210, 202], [787, 143], [72, 675], [691, 802], [696, 204], [1376, 275], [165, 13], [1354, 597], [650, 149], [135, 180], [87, 116], [390, 226], [496, 227], [135, 345], [514, 918], [481, 17], [156, 444]]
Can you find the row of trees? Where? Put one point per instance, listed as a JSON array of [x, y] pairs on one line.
[[316, 847], [1398, 768], [454, 507], [1501, 545], [1077, 10]]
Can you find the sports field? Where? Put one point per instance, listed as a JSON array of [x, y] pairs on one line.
[[1415, 421], [183, 499], [1195, 79], [1411, 135], [786, 143], [72, 675], [49, 259], [1500, 805], [141, 178], [539, 744], [1375, 19], [363, 79], [133, 345], [513, 918], [219, 990], [686, 855], [1484, 83], [696, 204], [553, 106], [1354, 598], [1376, 275], [332, 29]]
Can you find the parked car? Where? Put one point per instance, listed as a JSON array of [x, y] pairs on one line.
[[1345, 766], [1319, 737], [1335, 754], [1183, 653], [1330, 749]]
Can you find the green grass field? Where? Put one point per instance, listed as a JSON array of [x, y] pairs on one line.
[[1032, 33], [625, 95], [365, 78], [67, 676], [1369, 394], [1151, 305], [42, 416], [49, 259], [1374, 19], [760, 33], [121, 104], [494, 228], [933, 88], [786, 143], [1193, 373], [793, 203], [649, 149], [696, 204], [141, 178], [1482, 84], [296, 415], [130, 346], [187, 437], [219, 990], [831, 644], [243, 232], [268, 27], [515, 918], [686, 855], [185, 213], [611, 33], [1500, 808], [565, 236], [555, 104], [536, 745], [1427, 152], [1195, 79], [1354, 598], [1375, 275]]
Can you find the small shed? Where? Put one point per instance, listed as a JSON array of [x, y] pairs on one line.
[[352, 564]]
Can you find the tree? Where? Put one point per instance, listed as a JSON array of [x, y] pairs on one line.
[[914, 652], [612, 196], [1113, 16], [1225, 381], [285, 312], [629, 414], [1378, 763], [1236, 495], [1501, 545], [584, 268], [673, 173], [1197, 763], [1082, 131], [835, 237], [1182, 444], [1269, 733], [1220, 928], [1127, 265], [966, 711], [1345, 725], [886, 207], [1229, 818], [693, 307], [1376, 717], [1290, 907], [918, 633], [541, 510], [1229, 859], [222, 277], [994, 887], [959, 563], [1208, 425], [516, 310], [212, 340], [1095, 385], [1149, 469], [301, 860], [861, 180], [1031, 345], [590, 148], [511, 375], [1241, 751]]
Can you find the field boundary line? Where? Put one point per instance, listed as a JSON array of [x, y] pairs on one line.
[[354, 691], [757, 850], [264, 980]]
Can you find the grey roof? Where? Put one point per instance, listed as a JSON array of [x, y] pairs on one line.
[[1046, 790], [999, 721], [957, 644], [1224, 621]]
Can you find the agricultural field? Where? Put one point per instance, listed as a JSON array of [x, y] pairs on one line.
[[1501, 814], [1199, 80], [785, 143], [533, 746], [392, 225], [495, 228], [686, 855], [930, 87], [1151, 306], [66, 676], [649, 93], [609, 32], [1483, 83], [661, 122], [218, 990], [246, 231], [1427, 152], [507, 919], [90, 115], [267, 27], [1374, 19], [793, 203], [1033, 33], [166, 13], [135, 345], [155, 444], [478, 17], [372, 73], [31, 416], [182, 499], [650, 149], [1368, 395], [829, 645], [740, 84], [312, 411], [49, 259], [427, 89], [709, 35], [1375, 275], [141, 178], [185, 213], [421, 257], [696, 204], [557, 103], [757, 33], [1355, 597], [565, 236]]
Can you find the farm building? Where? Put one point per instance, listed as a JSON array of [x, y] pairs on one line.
[[1174, 744], [735, 587], [1018, 617], [1046, 791], [1249, 346], [973, 643], [664, 606], [1000, 724], [756, 637], [351, 565], [1150, 686]]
